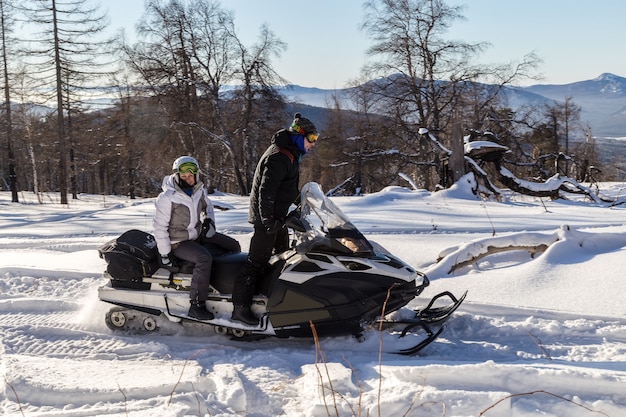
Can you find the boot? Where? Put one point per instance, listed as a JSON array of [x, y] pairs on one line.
[[243, 291], [242, 313], [198, 311]]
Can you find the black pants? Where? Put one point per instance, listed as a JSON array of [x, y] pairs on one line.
[[193, 251], [262, 246], [220, 244], [201, 254]]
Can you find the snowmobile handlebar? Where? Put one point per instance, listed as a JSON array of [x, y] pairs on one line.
[[293, 221]]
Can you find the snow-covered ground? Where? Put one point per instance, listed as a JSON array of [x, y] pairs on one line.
[[542, 336]]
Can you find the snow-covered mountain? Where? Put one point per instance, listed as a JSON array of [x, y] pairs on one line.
[[602, 100]]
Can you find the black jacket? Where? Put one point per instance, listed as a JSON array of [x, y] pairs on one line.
[[276, 179]]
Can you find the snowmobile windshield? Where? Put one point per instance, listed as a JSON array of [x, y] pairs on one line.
[[323, 219]]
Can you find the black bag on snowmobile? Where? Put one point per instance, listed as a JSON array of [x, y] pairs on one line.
[[129, 258]]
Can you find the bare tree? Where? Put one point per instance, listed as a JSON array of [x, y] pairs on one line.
[[424, 79], [416, 58], [65, 55], [569, 118], [188, 53], [6, 22], [257, 96]]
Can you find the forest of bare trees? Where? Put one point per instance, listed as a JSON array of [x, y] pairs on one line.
[[189, 85]]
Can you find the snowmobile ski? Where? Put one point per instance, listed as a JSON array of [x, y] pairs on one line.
[[425, 319], [430, 337]]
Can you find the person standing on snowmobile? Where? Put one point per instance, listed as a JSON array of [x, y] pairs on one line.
[[183, 221], [275, 186]]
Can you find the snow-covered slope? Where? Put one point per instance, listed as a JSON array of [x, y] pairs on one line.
[[542, 336]]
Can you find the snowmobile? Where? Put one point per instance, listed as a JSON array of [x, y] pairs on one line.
[[331, 281]]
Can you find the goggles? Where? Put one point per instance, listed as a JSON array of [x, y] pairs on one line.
[[312, 137], [188, 167]]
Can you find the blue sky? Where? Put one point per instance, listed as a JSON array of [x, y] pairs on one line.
[[577, 40]]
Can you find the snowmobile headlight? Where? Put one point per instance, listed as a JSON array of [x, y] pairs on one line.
[[354, 245]]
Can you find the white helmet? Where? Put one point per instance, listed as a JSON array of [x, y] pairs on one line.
[[184, 160]]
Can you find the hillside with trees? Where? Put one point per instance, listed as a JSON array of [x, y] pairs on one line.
[[189, 85]]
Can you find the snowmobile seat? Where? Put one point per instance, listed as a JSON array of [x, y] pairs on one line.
[[225, 270]]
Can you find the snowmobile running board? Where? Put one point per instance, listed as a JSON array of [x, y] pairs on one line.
[[231, 325], [425, 317]]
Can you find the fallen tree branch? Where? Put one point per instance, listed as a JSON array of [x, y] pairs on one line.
[[490, 250]]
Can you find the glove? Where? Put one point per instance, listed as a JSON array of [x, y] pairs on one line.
[[208, 228], [294, 222], [293, 214], [272, 225], [165, 260]]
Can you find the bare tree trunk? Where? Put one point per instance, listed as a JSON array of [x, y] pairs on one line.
[[60, 120], [457, 159], [31, 152], [73, 184], [7, 103]]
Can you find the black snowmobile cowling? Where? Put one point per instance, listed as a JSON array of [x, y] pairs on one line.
[[332, 278]]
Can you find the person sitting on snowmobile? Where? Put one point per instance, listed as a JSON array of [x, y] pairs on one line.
[[274, 187], [183, 222]]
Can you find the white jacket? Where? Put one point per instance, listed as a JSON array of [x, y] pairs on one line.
[[178, 216]]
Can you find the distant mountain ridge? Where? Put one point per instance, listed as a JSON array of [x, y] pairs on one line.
[[602, 100]]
